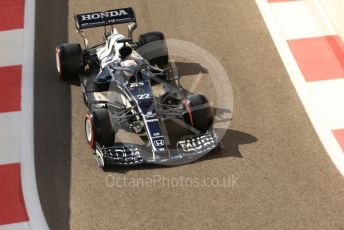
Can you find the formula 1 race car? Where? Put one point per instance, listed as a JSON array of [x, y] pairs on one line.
[[118, 78]]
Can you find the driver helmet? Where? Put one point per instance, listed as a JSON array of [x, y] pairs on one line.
[[131, 65]]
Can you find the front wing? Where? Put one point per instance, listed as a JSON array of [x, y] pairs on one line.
[[188, 148]]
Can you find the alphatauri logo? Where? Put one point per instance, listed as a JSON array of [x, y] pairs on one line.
[[108, 14]]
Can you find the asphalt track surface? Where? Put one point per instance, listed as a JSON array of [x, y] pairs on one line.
[[283, 178]]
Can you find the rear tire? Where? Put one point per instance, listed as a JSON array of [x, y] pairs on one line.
[[199, 114], [69, 60], [152, 46], [98, 128]]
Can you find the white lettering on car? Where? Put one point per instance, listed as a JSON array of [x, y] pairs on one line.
[[115, 13]]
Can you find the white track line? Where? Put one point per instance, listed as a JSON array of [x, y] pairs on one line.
[[11, 47], [329, 96], [9, 137], [328, 140], [306, 20], [16, 226], [32, 202]]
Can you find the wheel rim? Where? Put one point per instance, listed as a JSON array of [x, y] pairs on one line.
[[58, 63], [99, 158], [89, 131]]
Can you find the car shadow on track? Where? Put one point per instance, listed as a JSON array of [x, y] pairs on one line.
[[231, 141], [52, 115], [190, 68]]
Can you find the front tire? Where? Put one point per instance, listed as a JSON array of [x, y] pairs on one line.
[[69, 60], [98, 128]]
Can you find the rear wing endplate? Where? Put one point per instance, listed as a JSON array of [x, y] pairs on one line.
[[97, 19]]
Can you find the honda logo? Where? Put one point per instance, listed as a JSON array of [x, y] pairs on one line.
[[109, 14], [159, 143]]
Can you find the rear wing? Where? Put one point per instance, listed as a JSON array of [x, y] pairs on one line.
[[97, 19]]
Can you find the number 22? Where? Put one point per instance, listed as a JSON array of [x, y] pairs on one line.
[[143, 96]]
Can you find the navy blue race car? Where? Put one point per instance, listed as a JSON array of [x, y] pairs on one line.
[[118, 78]]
